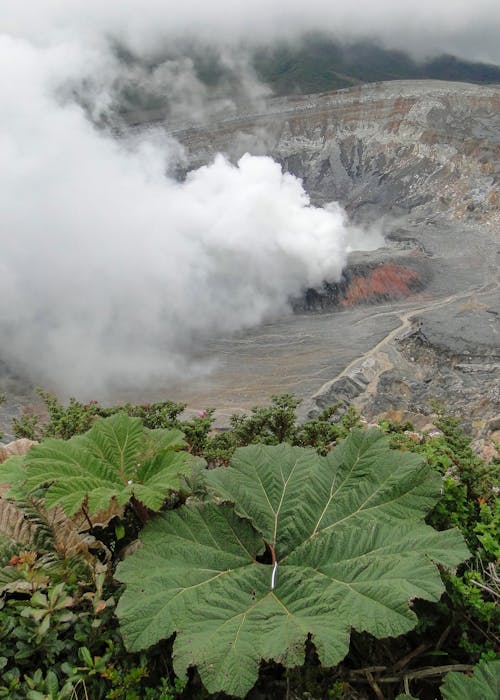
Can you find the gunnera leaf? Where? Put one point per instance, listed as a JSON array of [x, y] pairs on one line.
[[116, 459], [484, 684], [292, 545]]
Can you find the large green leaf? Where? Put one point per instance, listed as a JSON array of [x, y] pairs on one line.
[[117, 458], [293, 545], [484, 684]]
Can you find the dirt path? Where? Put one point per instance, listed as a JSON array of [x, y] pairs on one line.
[[380, 364]]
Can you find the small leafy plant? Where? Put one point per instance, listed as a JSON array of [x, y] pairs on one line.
[[77, 417], [469, 501], [117, 459]]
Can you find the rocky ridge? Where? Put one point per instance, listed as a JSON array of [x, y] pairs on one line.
[[396, 146]]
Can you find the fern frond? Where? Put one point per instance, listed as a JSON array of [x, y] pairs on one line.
[[76, 567], [16, 447], [13, 522], [28, 522], [12, 580]]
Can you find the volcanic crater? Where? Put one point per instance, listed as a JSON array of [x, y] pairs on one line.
[[413, 321]]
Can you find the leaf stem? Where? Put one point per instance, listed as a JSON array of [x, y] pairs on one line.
[[374, 685], [86, 515], [273, 575], [275, 567], [356, 676]]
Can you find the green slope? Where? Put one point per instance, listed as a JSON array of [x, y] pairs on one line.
[[319, 64]]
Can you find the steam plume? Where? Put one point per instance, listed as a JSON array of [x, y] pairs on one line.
[[112, 272]]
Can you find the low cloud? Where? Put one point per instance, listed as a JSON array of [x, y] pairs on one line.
[[469, 29]]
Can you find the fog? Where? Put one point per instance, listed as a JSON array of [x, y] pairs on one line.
[[466, 28]]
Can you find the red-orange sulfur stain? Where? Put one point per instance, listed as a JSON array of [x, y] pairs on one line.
[[389, 281]]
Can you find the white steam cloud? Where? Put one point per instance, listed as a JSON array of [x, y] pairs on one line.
[[112, 272]]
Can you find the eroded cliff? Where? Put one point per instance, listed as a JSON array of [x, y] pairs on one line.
[[396, 146]]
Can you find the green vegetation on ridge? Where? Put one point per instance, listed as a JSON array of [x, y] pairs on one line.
[[332, 531], [319, 64]]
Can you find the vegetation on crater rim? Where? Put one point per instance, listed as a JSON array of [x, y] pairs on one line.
[[326, 534]]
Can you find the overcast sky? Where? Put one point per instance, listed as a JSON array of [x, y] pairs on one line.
[[469, 28]]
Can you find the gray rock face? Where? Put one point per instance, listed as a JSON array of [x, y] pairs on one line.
[[399, 146]]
